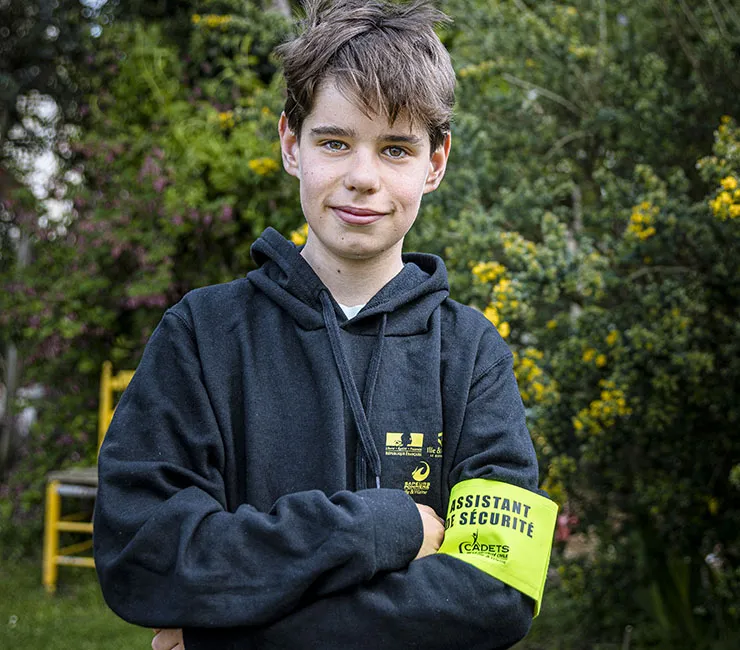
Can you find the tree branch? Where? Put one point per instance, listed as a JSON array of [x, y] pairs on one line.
[[544, 92], [680, 38], [565, 140], [692, 19], [658, 269], [734, 16], [719, 20]]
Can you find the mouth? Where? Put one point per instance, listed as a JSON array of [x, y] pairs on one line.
[[357, 216]]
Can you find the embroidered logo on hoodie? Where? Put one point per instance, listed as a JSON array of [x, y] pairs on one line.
[[418, 485], [404, 444]]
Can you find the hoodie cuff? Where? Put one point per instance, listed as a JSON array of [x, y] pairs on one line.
[[397, 527]]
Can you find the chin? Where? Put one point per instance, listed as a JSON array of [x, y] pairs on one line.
[[360, 250]]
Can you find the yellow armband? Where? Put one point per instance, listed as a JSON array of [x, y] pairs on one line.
[[503, 530]]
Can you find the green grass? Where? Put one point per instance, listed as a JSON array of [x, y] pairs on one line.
[[76, 618]]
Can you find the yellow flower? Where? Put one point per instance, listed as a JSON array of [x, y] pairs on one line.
[[577, 424], [491, 313], [213, 21], [503, 287], [488, 271], [735, 211], [612, 337], [589, 354], [641, 220], [298, 237], [601, 360], [552, 324], [195, 19], [504, 329], [263, 166], [226, 120], [729, 183]]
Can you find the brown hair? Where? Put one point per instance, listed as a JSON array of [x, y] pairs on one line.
[[386, 57]]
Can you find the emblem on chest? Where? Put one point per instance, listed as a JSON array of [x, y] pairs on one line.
[[413, 461]]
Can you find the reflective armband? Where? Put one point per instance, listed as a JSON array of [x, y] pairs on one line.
[[503, 530]]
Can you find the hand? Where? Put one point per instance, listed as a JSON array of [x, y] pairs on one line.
[[434, 531], [168, 640]]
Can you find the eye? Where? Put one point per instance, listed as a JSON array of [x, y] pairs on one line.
[[396, 152], [334, 145]]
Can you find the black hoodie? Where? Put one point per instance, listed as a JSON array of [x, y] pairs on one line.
[[238, 490]]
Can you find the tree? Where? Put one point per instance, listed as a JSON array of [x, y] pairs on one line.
[[42, 45], [610, 262], [176, 169]]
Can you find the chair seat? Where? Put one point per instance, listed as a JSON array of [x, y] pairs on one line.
[[76, 476]]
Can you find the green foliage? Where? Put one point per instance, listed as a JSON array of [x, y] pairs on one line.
[[178, 166], [609, 258], [591, 210]]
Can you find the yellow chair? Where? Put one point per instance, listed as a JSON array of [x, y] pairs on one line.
[[77, 483]]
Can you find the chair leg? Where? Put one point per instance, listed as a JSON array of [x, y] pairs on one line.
[[51, 536]]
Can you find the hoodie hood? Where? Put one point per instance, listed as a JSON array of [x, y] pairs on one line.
[[409, 299], [404, 306]]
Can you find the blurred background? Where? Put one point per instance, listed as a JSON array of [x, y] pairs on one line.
[[591, 210]]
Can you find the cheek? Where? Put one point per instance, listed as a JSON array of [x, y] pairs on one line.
[[314, 181], [411, 191]]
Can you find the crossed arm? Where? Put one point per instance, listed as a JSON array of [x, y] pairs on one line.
[[169, 553], [433, 525]]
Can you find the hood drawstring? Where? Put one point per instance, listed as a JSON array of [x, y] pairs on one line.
[[360, 408]]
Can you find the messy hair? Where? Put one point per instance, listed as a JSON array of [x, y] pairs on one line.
[[384, 57]]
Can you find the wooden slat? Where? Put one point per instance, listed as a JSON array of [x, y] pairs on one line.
[[78, 475], [74, 549], [75, 526], [76, 561]]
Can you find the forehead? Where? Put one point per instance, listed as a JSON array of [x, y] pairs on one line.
[[332, 110]]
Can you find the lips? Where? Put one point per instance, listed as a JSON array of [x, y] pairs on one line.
[[357, 216]]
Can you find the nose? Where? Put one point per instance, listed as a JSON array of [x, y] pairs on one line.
[[363, 174]]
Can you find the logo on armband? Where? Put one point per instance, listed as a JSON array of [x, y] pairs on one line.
[[498, 552]]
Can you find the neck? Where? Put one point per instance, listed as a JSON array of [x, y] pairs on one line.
[[354, 281]]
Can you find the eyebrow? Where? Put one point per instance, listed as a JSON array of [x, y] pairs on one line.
[[341, 132]]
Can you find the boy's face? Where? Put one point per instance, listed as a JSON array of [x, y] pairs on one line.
[[361, 178]]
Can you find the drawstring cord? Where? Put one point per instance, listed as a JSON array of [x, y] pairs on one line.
[[367, 399], [360, 411]]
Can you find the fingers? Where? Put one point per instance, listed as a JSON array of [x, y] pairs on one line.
[[429, 510], [433, 531], [168, 640]]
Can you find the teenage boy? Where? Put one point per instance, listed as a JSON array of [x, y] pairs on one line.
[[272, 474]]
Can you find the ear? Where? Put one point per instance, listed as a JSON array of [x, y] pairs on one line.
[[438, 165], [289, 148]]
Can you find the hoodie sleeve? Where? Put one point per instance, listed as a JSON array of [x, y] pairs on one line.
[[437, 602], [169, 553]]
